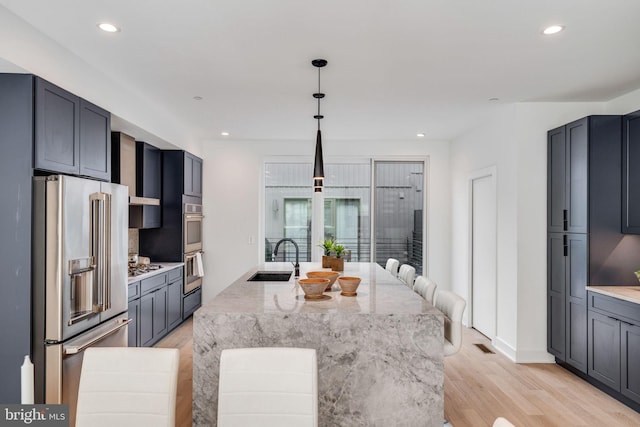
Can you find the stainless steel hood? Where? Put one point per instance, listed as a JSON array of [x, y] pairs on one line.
[[144, 212], [124, 168]]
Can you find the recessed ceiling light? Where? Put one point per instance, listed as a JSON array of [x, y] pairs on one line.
[[197, 98], [494, 99], [420, 135], [553, 29], [224, 133], [109, 28]]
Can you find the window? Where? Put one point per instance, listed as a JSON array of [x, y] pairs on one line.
[[399, 201]]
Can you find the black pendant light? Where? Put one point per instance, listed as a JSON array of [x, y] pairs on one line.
[[318, 164]]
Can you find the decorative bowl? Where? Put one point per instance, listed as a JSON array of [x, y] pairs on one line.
[[325, 274], [313, 287], [349, 285]]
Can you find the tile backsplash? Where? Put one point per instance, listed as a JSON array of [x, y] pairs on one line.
[[133, 241]]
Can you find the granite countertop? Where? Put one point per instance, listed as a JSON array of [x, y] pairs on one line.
[[627, 293], [378, 293], [165, 266]]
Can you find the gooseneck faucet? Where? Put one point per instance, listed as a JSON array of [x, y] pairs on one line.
[[275, 252]]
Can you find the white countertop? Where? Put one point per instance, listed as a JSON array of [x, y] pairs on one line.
[[379, 293], [627, 293], [165, 266]]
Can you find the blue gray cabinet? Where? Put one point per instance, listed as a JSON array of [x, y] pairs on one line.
[[57, 129], [584, 172], [16, 140], [631, 173], [567, 303], [192, 175], [72, 135], [155, 307], [567, 177], [174, 297], [614, 344]]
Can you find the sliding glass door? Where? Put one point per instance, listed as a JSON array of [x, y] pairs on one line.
[[399, 211]]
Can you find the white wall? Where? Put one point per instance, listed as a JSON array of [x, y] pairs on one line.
[[514, 141], [233, 193]]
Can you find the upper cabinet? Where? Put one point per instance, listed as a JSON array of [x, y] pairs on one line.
[[192, 175], [72, 135], [95, 141], [567, 177], [182, 175], [631, 173]]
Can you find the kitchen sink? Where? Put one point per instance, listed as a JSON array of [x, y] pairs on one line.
[[270, 276]]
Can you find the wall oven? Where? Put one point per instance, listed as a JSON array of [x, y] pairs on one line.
[[193, 271], [192, 228]]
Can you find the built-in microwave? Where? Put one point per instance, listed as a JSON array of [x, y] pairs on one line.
[[192, 228]]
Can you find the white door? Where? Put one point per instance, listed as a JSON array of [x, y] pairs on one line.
[[483, 255]]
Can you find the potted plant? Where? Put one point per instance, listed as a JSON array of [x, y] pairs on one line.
[[327, 247], [337, 264]]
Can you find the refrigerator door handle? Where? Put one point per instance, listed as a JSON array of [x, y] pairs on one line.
[[101, 248], [69, 350]]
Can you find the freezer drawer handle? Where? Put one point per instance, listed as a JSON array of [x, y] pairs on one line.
[[77, 349]]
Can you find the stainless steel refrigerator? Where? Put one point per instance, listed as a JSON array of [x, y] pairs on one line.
[[79, 279]]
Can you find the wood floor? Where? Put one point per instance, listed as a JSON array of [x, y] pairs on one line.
[[479, 387]]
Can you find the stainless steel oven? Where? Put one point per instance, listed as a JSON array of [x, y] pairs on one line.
[[192, 228], [193, 271]]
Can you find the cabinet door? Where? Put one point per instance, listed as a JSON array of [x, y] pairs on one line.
[[556, 180], [149, 171], [630, 348], [556, 306], [147, 310], [134, 324], [192, 175], [577, 140], [174, 304], [576, 300], [631, 173], [160, 313], [604, 349], [95, 141], [57, 129]]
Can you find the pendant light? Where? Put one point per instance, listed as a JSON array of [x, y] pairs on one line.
[[318, 164]]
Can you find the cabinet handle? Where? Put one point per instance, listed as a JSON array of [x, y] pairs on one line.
[[565, 245], [565, 220]]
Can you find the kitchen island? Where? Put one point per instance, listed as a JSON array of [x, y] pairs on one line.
[[380, 353]]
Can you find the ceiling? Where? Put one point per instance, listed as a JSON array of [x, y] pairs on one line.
[[395, 68]]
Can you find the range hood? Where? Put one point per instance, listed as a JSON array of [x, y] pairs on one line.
[[123, 154]]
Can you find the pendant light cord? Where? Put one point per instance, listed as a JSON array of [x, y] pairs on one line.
[[319, 116]]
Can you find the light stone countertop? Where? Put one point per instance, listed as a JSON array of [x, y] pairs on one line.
[[166, 266], [627, 293], [379, 354], [379, 293]]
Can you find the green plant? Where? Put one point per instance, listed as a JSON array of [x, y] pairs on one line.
[[338, 249], [327, 246]]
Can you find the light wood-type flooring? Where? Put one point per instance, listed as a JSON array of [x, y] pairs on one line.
[[479, 387]]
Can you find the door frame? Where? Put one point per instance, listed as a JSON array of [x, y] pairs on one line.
[[490, 172]]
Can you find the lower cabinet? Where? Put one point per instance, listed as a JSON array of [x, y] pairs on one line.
[[155, 307], [191, 302], [614, 344]]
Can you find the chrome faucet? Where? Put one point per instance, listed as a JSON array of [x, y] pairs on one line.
[[296, 265]]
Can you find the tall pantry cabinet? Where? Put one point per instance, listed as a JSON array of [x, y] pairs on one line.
[[583, 223]]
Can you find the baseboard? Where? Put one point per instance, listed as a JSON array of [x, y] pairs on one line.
[[522, 356], [504, 348]]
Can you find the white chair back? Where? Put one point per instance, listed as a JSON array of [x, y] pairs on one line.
[[425, 287], [268, 387], [452, 306], [407, 273], [392, 266], [128, 387], [502, 422]]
